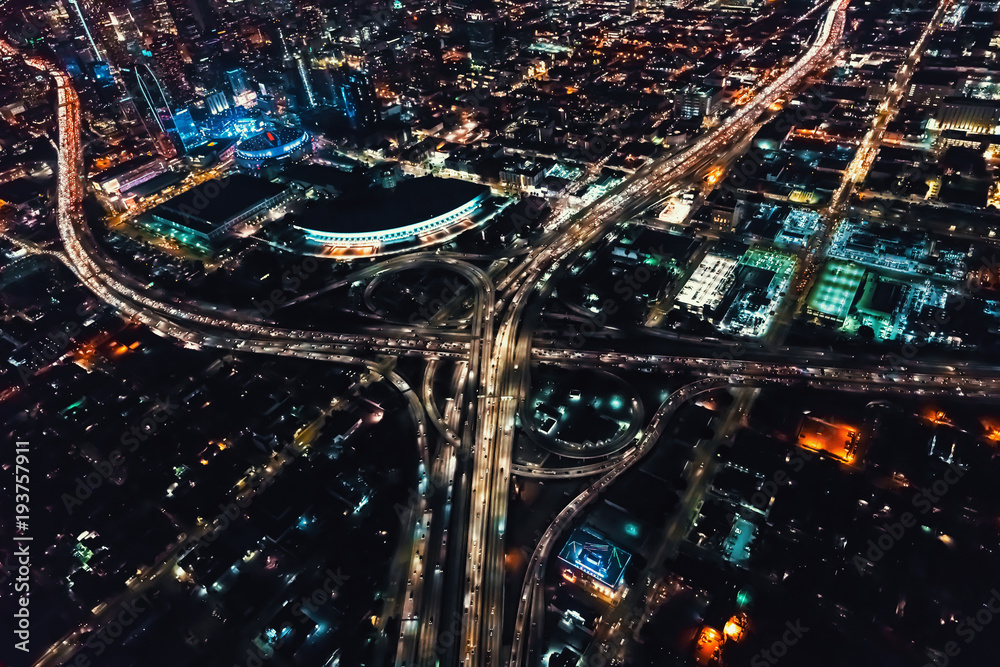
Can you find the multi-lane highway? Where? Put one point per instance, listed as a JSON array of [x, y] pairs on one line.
[[507, 372], [471, 474]]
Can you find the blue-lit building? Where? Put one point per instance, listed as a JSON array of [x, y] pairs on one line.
[[186, 128], [377, 220], [590, 560], [236, 82], [272, 147], [357, 95]]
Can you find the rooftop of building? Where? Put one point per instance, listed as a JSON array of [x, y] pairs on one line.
[[141, 162], [274, 137], [377, 209], [217, 201]]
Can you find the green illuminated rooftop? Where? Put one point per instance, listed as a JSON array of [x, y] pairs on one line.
[[835, 289], [783, 264]]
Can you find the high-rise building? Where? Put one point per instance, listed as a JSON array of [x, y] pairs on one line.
[[168, 63], [98, 54], [217, 103], [186, 128], [237, 83], [204, 15], [152, 101], [184, 21], [481, 39], [163, 20], [310, 96], [127, 38], [360, 103], [695, 101]]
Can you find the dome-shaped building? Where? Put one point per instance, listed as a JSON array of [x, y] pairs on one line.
[[273, 146]]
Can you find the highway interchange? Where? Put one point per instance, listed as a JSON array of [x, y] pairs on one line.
[[465, 488]]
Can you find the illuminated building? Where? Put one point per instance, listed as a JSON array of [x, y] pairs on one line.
[[164, 56], [759, 283], [695, 101], [217, 103], [834, 293], [481, 38], [415, 212], [128, 175], [186, 129], [969, 115], [184, 21], [306, 83], [207, 213], [357, 94], [591, 561], [236, 82], [736, 627], [211, 152], [279, 144], [83, 21], [155, 100], [707, 286], [739, 5], [838, 440], [708, 647]]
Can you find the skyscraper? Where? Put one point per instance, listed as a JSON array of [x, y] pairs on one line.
[[481, 39], [310, 96], [163, 20], [236, 81], [217, 103], [360, 102], [153, 96], [98, 54], [184, 20], [186, 129]]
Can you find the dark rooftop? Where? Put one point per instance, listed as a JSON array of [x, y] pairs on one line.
[[209, 147], [212, 203], [126, 167], [157, 183], [376, 209]]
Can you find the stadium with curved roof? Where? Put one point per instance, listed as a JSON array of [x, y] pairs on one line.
[[416, 212], [271, 146]]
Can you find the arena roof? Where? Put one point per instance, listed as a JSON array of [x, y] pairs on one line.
[[270, 139], [376, 209], [213, 203]]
